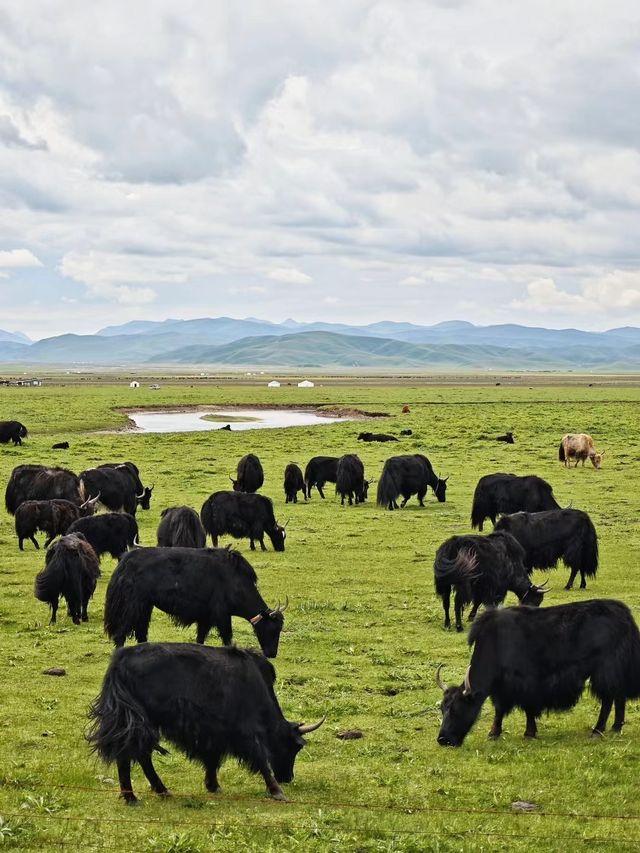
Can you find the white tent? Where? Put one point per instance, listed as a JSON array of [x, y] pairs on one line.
[[273, 384], [305, 384], [134, 384]]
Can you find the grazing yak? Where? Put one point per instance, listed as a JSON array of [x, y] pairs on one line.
[[540, 660], [579, 446], [250, 474], [320, 470], [120, 487], [180, 526], [205, 586], [376, 436], [243, 516], [209, 702], [109, 533], [71, 570], [482, 569], [557, 534], [350, 481], [12, 431], [293, 483], [42, 483], [51, 517], [502, 494], [507, 438], [408, 475]]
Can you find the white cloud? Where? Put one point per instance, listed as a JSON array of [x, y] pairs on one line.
[[18, 258], [545, 297], [619, 290], [289, 276]]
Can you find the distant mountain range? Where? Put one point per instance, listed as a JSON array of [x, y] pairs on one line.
[[250, 342]]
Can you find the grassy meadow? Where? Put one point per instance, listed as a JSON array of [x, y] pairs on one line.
[[363, 634]]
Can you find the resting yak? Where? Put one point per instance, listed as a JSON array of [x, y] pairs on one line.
[[557, 534], [320, 470], [250, 474], [482, 569], [203, 585], [71, 570], [210, 703], [108, 533], [180, 526], [376, 436], [244, 516], [539, 660], [51, 517], [42, 483], [502, 494], [408, 475], [350, 481], [12, 431]]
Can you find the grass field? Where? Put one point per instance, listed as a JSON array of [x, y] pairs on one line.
[[362, 639]]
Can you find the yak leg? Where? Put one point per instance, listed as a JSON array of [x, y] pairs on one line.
[[473, 611], [124, 777], [54, 612], [211, 774], [319, 488], [85, 615], [572, 577], [202, 631], [141, 630], [223, 626], [262, 765], [532, 727], [446, 600], [601, 723], [35, 542], [214, 540], [421, 497], [157, 785], [263, 547], [458, 606], [252, 544], [618, 721], [583, 580], [496, 728]]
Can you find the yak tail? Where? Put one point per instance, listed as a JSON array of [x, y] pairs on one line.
[[561, 455], [49, 582], [586, 556], [457, 570], [123, 609], [479, 511], [388, 488], [189, 532], [120, 726]]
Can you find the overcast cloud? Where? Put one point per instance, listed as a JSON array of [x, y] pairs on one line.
[[352, 161]]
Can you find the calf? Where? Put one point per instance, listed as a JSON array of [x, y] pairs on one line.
[[244, 516], [205, 586], [482, 569], [558, 534], [540, 660], [51, 517], [71, 570], [293, 483], [180, 526], [110, 533], [350, 481], [159, 690], [502, 494]]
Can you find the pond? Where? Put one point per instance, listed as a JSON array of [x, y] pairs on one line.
[[238, 419]]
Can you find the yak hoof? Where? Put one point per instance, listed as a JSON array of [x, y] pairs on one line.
[[164, 793], [459, 629], [130, 798], [617, 728], [596, 733], [531, 735], [279, 796], [495, 735]]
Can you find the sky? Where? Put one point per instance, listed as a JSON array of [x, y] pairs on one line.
[[343, 160]]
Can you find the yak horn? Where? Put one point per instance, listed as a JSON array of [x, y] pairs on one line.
[[467, 682], [280, 608], [287, 522], [139, 497], [441, 684], [304, 730]]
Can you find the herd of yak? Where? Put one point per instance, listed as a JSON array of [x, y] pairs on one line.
[[537, 659]]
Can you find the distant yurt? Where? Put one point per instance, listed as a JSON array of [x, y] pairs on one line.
[[134, 384], [273, 384], [305, 384]]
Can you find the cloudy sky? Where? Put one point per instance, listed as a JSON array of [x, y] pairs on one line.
[[343, 160]]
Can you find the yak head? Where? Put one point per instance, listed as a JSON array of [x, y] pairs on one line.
[[89, 506], [268, 626], [596, 459], [144, 500], [278, 535], [286, 743], [460, 708], [363, 495], [440, 490]]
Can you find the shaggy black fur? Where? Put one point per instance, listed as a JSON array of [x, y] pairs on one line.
[[71, 570], [244, 516], [181, 526], [502, 494], [407, 475]]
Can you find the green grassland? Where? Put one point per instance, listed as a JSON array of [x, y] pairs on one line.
[[362, 639]]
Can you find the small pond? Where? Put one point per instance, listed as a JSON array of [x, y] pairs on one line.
[[239, 419]]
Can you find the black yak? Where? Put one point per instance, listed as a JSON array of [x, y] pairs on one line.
[[60, 445], [250, 474], [209, 702], [320, 470], [408, 475], [12, 431], [540, 660], [243, 516], [293, 483], [109, 533], [350, 481], [71, 570], [502, 494], [557, 534], [507, 438], [181, 526], [206, 586], [51, 517], [120, 487], [42, 483], [482, 569], [376, 436]]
